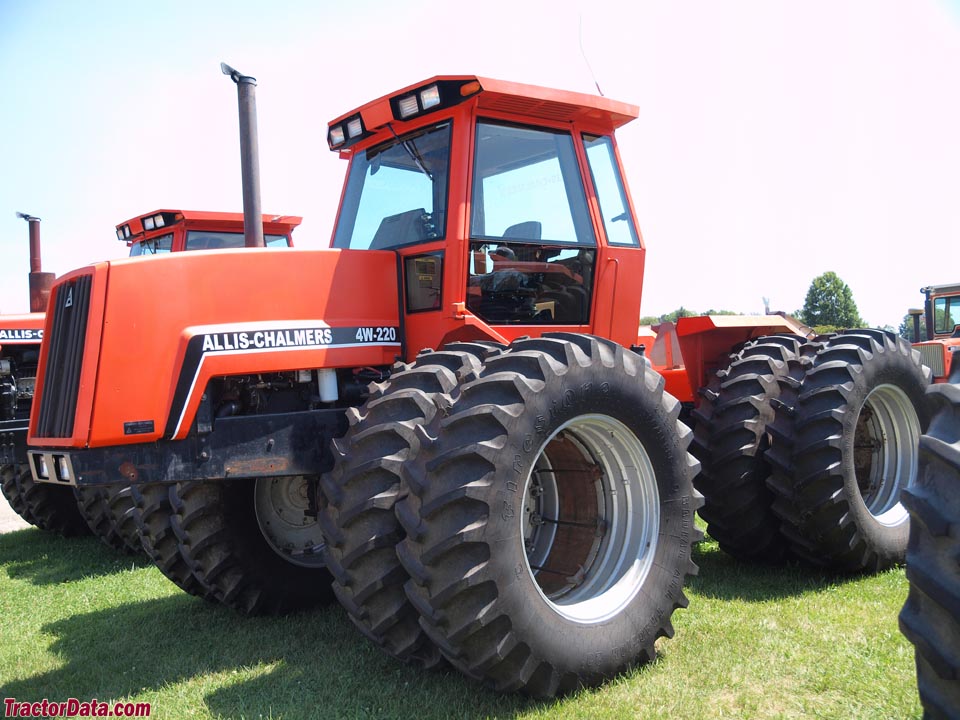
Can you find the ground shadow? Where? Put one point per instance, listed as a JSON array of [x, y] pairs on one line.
[[724, 577], [44, 558], [321, 665]]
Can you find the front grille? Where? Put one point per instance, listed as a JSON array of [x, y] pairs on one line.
[[61, 380], [932, 356]]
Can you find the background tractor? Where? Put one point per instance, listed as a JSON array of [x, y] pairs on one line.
[[939, 338], [519, 501], [54, 508]]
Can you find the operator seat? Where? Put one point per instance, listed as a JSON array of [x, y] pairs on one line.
[[529, 230]]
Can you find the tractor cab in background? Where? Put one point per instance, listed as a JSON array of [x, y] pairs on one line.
[[166, 231]]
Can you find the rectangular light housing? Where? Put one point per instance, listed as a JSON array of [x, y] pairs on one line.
[[149, 223], [354, 128], [336, 136], [408, 106], [430, 97]]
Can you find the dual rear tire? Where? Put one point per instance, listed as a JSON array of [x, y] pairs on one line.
[[807, 447], [930, 618], [546, 515]]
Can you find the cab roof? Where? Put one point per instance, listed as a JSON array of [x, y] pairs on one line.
[[949, 289], [503, 96], [136, 223]]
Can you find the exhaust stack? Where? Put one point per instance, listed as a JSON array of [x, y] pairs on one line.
[[249, 156], [40, 282]]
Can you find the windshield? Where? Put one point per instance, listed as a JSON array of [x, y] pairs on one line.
[[205, 240], [397, 193], [946, 314], [527, 186], [153, 246]]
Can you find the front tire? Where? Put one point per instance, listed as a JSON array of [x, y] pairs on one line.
[[152, 513], [550, 517], [931, 616], [53, 507], [94, 504], [11, 487], [252, 542]]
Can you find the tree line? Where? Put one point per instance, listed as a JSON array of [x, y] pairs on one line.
[[828, 307]]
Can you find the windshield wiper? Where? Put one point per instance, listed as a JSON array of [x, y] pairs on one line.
[[412, 151]]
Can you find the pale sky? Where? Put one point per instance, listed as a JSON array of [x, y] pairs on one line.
[[776, 140]]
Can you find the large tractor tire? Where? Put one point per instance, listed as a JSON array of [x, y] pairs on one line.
[[730, 439], [122, 507], [856, 428], [53, 507], [253, 542], [94, 504], [931, 616], [359, 522], [152, 514], [550, 517], [11, 487]]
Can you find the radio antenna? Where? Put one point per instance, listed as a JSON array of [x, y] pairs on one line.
[[584, 54]]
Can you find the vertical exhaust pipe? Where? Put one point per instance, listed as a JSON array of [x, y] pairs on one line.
[[928, 311], [40, 282], [249, 156], [916, 314]]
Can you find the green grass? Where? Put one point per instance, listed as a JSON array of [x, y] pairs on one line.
[[77, 620]]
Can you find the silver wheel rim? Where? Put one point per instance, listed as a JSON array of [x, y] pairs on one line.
[[591, 518], [885, 445], [281, 505]]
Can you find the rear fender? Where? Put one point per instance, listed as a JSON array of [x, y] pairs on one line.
[[704, 343]]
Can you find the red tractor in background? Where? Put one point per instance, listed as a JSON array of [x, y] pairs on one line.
[[164, 231], [156, 232], [941, 315], [519, 501]]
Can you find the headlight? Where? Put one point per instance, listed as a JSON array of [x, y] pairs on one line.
[[430, 97], [408, 106]]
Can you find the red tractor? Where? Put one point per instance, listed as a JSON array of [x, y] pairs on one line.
[[520, 500], [164, 231], [156, 232], [941, 320]]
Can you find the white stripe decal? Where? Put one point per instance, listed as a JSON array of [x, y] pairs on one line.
[[263, 340]]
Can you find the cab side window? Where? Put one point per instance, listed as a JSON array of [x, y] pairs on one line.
[[532, 243]]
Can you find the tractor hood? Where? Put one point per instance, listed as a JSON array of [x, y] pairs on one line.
[[134, 342]]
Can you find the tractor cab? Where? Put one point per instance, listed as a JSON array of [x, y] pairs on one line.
[[941, 311], [165, 231], [505, 202]]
